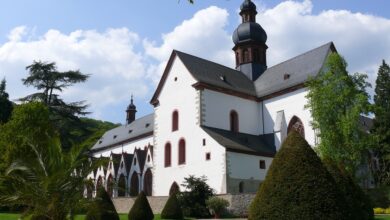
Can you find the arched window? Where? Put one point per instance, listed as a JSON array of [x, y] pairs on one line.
[[297, 125], [246, 56], [167, 155], [256, 56], [174, 188], [182, 151], [234, 121], [134, 185], [99, 182], [175, 121], [241, 187], [122, 186], [110, 185]]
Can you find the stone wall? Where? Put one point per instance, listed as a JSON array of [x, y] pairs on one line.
[[239, 203], [124, 204]]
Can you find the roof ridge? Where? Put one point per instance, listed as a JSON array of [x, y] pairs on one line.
[[302, 54], [180, 52], [139, 119]]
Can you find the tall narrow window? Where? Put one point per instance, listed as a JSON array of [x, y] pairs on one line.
[[175, 121], [233, 121], [167, 155], [246, 56], [182, 151], [256, 56]]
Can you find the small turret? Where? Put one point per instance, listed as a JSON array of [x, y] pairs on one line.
[[131, 110]]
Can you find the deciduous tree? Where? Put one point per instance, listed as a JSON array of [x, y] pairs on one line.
[[336, 101]]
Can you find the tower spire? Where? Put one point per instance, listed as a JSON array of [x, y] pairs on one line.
[[131, 110], [249, 39]]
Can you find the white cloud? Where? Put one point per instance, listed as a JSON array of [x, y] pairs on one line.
[[109, 57], [293, 28], [203, 35]]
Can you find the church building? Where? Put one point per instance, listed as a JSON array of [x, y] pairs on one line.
[[212, 120]]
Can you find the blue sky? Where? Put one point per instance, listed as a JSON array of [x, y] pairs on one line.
[[124, 44]]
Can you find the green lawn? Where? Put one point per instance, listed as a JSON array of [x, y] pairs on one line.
[[7, 216], [382, 217]]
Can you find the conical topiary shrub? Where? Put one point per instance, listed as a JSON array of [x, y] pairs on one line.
[[141, 209], [297, 187], [102, 207], [172, 209], [358, 203]]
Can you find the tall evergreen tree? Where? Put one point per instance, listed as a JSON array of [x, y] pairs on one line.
[[381, 129], [336, 101], [5, 104], [49, 81]]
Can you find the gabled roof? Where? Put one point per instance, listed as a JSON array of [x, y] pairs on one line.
[[209, 73], [141, 155], [139, 128], [262, 145], [128, 159], [298, 70]]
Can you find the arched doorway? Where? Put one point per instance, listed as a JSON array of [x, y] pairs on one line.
[[110, 185], [134, 185], [148, 182], [99, 182], [122, 186], [241, 187], [174, 188], [89, 187], [296, 125]]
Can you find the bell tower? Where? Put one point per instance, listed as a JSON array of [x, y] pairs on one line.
[[249, 39], [130, 111]]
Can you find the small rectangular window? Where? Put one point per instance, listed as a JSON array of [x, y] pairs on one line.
[[208, 156], [262, 164], [204, 142]]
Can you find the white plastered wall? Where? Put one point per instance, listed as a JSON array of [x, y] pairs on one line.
[[293, 104], [217, 107], [245, 166], [181, 96]]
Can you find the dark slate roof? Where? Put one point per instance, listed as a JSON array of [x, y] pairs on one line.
[[241, 142], [215, 74], [122, 133], [128, 159], [299, 68], [141, 155], [116, 159]]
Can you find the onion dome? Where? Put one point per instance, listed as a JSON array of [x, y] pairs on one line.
[[249, 32], [131, 105], [247, 5]]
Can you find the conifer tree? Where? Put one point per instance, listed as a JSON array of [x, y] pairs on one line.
[[141, 209], [381, 128], [298, 187], [172, 209], [102, 207], [5, 104]]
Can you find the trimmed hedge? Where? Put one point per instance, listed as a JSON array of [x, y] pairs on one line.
[[172, 209], [141, 209], [359, 204], [102, 207], [298, 187]]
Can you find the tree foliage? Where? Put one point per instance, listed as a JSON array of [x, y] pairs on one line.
[[49, 182], [102, 208], [336, 101], [172, 208], [141, 209], [381, 128], [297, 186], [29, 125], [217, 205], [49, 82], [193, 199], [5, 104], [358, 203]]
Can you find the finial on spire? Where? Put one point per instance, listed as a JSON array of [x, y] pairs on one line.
[[131, 110]]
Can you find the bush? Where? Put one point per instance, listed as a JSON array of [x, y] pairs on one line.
[[359, 204], [297, 187], [102, 207], [172, 209], [141, 209], [380, 197], [379, 211], [193, 200], [217, 205]]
